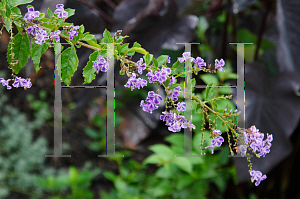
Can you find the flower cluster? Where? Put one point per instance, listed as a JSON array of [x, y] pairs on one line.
[[135, 83], [19, 82], [254, 139], [181, 106], [160, 76], [31, 14], [217, 141], [257, 175], [153, 99], [72, 31], [60, 11], [100, 64], [174, 93], [38, 33]]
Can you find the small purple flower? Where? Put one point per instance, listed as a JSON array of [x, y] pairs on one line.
[[181, 106], [60, 11], [31, 14], [217, 132], [199, 62], [242, 149], [72, 31], [135, 83], [141, 66], [27, 83], [219, 64], [257, 175], [152, 99], [19, 82], [5, 83], [100, 64], [174, 93], [188, 125], [55, 35], [151, 76], [169, 60], [186, 56]]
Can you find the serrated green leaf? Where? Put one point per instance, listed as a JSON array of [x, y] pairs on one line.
[[89, 70], [70, 11], [107, 36], [162, 59], [69, 64], [50, 13], [21, 50], [37, 52]]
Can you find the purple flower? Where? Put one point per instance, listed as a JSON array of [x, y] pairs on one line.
[[135, 83], [100, 64], [55, 35], [169, 60], [19, 82], [174, 93], [152, 99], [181, 106], [5, 83], [188, 125], [219, 64], [27, 83], [60, 11], [242, 149], [151, 76], [141, 66], [72, 31], [199, 62], [217, 132], [31, 14], [186, 56], [257, 175], [39, 34]]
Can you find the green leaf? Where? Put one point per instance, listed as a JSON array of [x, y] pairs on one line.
[[184, 181], [50, 13], [124, 48], [81, 29], [178, 69], [89, 70], [153, 159], [136, 44], [209, 78], [88, 37], [176, 139], [21, 50], [37, 52], [163, 151], [148, 58], [183, 164], [93, 42], [73, 173], [155, 62], [138, 50], [69, 64], [70, 11], [162, 59], [209, 92], [167, 81], [174, 86], [14, 3], [107, 36]]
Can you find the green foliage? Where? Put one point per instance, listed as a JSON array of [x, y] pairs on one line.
[[59, 184], [37, 52], [89, 70], [69, 64], [20, 157], [21, 50]]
